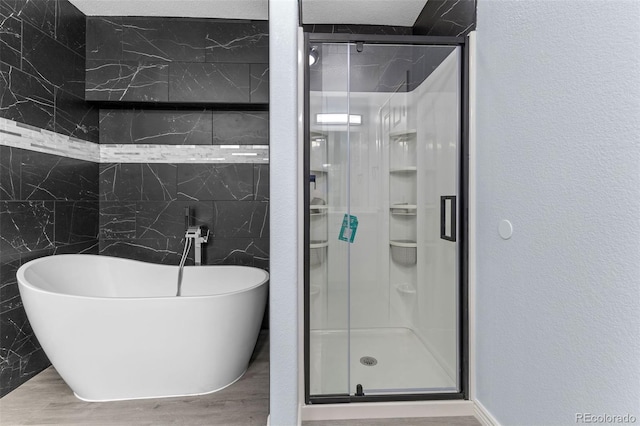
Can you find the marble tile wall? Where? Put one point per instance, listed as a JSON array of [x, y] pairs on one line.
[[449, 18], [48, 205], [179, 64], [42, 61], [377, 68], [48, 202], [142, 209], [177, 60]]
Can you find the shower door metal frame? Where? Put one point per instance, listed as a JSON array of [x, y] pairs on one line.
[[462, 218]]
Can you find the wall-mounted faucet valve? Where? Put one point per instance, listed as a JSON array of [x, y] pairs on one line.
[[199, 235]]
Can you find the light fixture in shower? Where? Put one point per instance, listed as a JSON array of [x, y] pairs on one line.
[[313, 55], [329, 118]]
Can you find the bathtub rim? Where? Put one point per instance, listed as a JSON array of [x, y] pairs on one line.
[[22, 281]]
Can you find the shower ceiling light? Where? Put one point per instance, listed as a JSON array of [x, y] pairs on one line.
[[324, 118]]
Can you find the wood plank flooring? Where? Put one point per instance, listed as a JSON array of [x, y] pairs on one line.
[[47, 400]]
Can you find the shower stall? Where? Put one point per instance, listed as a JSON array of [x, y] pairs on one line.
[[385, 262]]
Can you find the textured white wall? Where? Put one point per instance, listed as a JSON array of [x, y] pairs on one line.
[[283, 205], [558, 134]]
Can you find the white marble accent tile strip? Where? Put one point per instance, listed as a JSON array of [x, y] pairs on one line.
[[23, 136], [129, 153], [19, 135]]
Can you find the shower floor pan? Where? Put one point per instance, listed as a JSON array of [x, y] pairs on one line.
[[403, 364]]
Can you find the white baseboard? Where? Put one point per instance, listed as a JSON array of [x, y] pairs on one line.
[[483, 415]]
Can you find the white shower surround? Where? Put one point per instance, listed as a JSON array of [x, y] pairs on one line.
[[375, 302]]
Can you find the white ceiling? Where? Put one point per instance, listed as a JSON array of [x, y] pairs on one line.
[[225, 9], [361, 12]]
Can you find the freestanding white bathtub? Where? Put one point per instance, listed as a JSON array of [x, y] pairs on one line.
[[114, 329]]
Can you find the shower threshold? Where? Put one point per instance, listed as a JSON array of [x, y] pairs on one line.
[[403, 363]]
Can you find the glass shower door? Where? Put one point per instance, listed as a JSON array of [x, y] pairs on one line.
[[404, 282], [383, 245], [328, 202]]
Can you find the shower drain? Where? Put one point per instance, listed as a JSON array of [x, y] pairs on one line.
[[369, 361]]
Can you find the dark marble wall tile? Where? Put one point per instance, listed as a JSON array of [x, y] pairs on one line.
[[9, 294], [39, 13], [10, 40], [238, 42], [74, 117], [241, 219], [51, 177], [177, 127], [162, 250], [104, 38], [26, 226], [448, 18], [71, 27], [49, 203], [154, 230], [117, 220], [260, 251], [126, 81], [120, 182], [163, 39], [116, 46], [358, 29], [157, 219], [75, 222], [86, 247], [138, 182], [425, 61], [197, 82], [42, 54], [261, 182], [379, 68], [259, 83], [52, 62], [10, 168], [238, 251], [215, 182], [159, 182], [240, 128], [21, 356], [25, 98]]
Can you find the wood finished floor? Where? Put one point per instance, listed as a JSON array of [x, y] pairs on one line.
[[47, 400]]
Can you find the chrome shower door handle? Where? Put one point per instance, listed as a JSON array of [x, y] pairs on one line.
[[448, 215]]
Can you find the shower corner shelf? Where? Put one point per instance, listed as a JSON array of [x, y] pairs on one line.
[[315, 289], [400, 133], [318, 244], [404, 252], [405, 169], [405, 288], [403, 243], [402, 209], [318, 209]]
